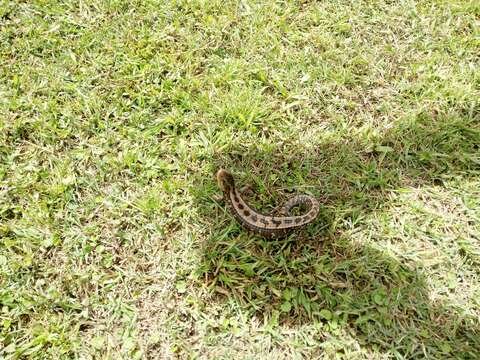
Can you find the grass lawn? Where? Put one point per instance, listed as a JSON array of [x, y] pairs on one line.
[[114, 117]]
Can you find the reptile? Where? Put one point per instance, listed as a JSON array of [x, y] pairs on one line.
[[266, 225]]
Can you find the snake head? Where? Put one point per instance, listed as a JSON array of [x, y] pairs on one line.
[[225, 180]]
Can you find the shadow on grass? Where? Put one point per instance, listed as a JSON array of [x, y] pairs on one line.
[[323, 274]]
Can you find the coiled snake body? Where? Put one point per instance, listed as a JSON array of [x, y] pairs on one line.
[[265, 225]]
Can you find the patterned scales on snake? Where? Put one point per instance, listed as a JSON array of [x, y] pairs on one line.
[[265, 225]]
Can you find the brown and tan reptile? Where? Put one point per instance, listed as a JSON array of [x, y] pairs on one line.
[[266, 225]]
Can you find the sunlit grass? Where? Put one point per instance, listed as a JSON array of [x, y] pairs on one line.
[[115, 115]]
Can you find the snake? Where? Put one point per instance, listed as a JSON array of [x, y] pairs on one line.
[[261, 224]]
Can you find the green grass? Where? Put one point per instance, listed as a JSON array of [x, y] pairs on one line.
[[114, 117]]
